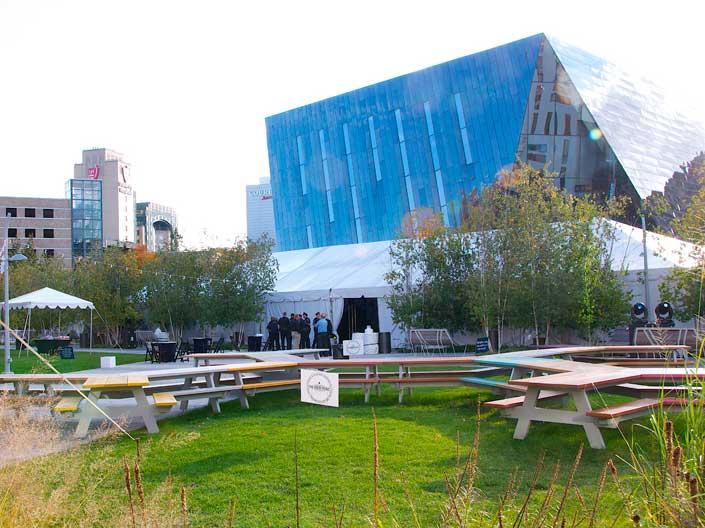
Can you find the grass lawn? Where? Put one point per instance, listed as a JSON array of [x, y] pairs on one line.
[[27, 363], [248, 455]]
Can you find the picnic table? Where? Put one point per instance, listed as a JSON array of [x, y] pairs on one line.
[[278, 355], [576, 384], [164, 396]]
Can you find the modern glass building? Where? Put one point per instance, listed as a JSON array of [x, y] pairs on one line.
[[86, 198], [357, 167]]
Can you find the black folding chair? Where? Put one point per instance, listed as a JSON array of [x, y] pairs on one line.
[[148, 352], [183, 350], [218, 347]]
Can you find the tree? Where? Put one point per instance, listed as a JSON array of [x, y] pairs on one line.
[[684, 286], [528, 255], [173, 293], [112, 279], [237, 279]]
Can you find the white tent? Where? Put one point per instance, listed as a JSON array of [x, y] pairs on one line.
[[52, 299], [319, 279]]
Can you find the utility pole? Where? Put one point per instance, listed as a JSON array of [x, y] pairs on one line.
[[646, 266], [5, 267]]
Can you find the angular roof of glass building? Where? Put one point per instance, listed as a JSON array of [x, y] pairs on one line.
[[649, 136], [362, 165]]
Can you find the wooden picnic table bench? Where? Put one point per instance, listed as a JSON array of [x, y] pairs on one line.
[[277, 355], [578, 384]]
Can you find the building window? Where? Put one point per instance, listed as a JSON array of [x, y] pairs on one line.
[[49, 253], [12, 232], [537, 96], [326, 175], [30, 212], [11, 211], [48, 213], [463, 129], [436, 162], [534, 122], [302, 161], [404, 160], [547, 124], [48, 233], [353, 186], [375, 154], [537, 152], [566, 125], [309, 235], [30, 233]]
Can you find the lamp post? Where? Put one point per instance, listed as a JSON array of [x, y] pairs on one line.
[[6, 259]]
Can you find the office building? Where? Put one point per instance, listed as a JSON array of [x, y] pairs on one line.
[[103, 175], [356, 167], [260, 213], [156, 225], [42, 223]]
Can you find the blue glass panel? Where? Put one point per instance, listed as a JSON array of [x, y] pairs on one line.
[[404, 158], [400, 126], [373, 136], [378, 171], [429, 121], [410, 194]]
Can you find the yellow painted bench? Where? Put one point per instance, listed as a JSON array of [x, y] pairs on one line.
[[67, 405], [164, 399], [114, 382]]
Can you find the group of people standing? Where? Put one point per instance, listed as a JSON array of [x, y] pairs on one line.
[[294, 331]]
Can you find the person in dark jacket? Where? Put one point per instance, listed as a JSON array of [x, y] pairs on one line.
[[273, 338], [285, 332], [295, 330], [315, 329], [305, 331]]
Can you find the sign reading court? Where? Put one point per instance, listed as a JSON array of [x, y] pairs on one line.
[[319, 388]]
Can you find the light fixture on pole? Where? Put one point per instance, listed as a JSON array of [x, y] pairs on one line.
[[5, 268]]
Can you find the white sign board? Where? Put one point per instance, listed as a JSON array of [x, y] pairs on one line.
[[319, 388]]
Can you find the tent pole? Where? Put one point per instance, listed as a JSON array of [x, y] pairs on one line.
[[30, 329], [91, 336]]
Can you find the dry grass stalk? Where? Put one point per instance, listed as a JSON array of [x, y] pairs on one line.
[[598, 493], [140, 493], [375, 471], [338, 518], [547, 498], [532, 487], [231, 513], [128, 487], [569, 483], [184, 508], [297, 482]]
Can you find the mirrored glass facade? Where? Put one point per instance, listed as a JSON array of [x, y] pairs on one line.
[[357, 167], [86, 216]]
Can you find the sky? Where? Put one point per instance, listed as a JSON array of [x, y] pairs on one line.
[[182, 88]]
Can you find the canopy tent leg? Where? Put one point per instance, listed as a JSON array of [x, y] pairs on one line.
[[30, 328], [91, 335]]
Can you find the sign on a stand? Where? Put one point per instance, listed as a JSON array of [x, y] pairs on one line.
[[482, 345], [319, 388]]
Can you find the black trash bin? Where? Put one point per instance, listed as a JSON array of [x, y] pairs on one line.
[[254, 343], [385, 343], [337, 352]]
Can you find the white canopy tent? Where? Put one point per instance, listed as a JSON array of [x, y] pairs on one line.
[[52, 299], [319, 279]]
